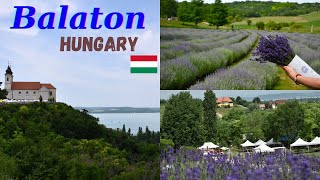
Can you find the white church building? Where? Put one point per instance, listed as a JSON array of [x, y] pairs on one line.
[[28, 90]]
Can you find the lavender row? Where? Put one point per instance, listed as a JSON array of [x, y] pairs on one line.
[[182, 72], [192, 164], [312, 42], [179, 50], [312, 57], [183, 33], [213, 36], [249, 75]]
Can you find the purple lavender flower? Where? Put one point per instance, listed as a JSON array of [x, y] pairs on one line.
[[192, 165], [276, 50]]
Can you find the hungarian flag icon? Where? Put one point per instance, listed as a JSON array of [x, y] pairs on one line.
[[143, 64]]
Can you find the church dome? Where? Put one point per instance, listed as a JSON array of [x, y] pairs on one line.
[[9, 71]]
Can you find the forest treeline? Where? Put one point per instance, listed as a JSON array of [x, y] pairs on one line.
[[187, 121], [55, 141], [238, 10]]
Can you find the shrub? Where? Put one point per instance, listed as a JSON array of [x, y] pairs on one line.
[[271, 25], [296, 26], [249, 21], [260, 25], [284, 24]]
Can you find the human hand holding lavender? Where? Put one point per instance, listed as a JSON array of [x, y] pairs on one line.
[[277, 50], [311, 82]]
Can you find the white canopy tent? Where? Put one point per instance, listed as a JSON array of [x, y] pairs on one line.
[[315, 141], [224, 148], [208, 145], [299, 142], [263, 148], [272, 142], [247, 144], [259, 142]]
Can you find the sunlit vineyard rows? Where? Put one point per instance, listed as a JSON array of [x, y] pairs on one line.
[[218, 59]]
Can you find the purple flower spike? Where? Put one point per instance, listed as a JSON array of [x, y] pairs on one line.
[[276, 50]]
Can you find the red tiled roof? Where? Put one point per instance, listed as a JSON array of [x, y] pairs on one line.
[[224, 99], [49, 86], [278, 102], [29, 86], [25, 86]]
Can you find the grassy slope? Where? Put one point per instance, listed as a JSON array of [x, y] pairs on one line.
[[306, 20], [285, 82], [221, 111], [224, 111], [178, 24]]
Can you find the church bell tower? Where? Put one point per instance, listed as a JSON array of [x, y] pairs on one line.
[[8, 78]]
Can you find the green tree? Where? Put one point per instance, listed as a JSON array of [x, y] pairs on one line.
[[197, 11], [252, 124], [253, 106], [285, 123], [249, 21], [219, 14], [256, 100], [238, 99], [3, 94], [184, 12], [164, 143], [260, 25], [7, 166], [168, 8], [182, 120], [311, 125], [124, 128], [209, 114], [55, 141], [234, 114], [271, 25]]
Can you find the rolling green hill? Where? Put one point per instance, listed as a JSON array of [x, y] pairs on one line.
[[306, 21], [55, 141]]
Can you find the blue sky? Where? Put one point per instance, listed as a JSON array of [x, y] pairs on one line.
[[82, 78], [298, 1]]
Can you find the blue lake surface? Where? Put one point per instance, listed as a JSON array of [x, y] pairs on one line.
[[131, 120]]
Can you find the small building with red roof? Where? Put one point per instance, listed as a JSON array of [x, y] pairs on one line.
[[28, 90], [276, 103], [224, 102]]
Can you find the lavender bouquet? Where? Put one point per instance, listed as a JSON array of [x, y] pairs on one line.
[[278, 51]]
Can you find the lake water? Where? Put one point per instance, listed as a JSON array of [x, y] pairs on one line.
[[131, 120]]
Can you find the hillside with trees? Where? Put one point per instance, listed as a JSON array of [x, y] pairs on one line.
[[169, 8], [285, 16], [55, 141], [187, 121]]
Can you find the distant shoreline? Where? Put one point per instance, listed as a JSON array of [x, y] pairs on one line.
[[114, 110], [123, 112]]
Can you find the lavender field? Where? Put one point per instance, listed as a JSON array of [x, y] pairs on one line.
[[193, 165], [218, 59]]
